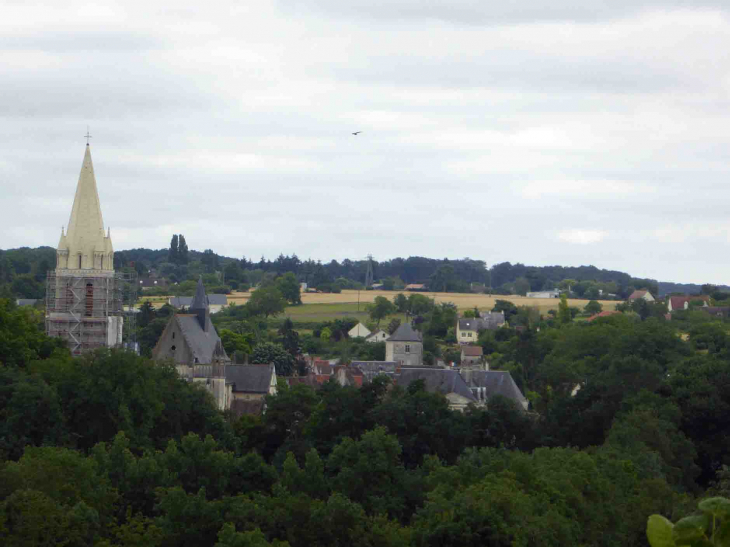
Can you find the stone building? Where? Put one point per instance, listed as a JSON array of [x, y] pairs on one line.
[[84, 300], [192, 343], [405, 346]]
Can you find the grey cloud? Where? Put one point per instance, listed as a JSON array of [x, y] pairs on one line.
[[479, 12]]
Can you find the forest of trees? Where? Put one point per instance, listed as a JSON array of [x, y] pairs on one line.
[[23, 271], [112, 449]]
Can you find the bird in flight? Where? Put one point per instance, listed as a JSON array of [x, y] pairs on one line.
[[356, 132]]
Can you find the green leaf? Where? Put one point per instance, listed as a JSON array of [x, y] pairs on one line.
[[659, 531], [719, 507], [690, 529], [722, 536]]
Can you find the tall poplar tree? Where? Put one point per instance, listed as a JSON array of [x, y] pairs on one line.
[[174, 253]]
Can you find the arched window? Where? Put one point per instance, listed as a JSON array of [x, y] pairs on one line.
[[89, 299]]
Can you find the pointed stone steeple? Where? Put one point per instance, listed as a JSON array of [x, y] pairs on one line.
[[199, 306], [85, 245]]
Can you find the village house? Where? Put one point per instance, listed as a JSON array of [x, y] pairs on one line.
[[248, 386], [472, 355], [216, 302], [462, 388], [544, 294], [359, 331], [675, 303], [378, 336], [405, 346], [467, 328], [644, 295]]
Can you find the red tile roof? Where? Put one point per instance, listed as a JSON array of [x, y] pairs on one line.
[[678, 302], [636, 295], [603, 314], [472, 351]]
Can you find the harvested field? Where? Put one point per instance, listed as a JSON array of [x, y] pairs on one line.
[[345, 303]]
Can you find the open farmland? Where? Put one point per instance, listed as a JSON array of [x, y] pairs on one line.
[[324, 306]]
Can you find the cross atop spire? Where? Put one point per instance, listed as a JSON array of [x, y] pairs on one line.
[[88, 136]]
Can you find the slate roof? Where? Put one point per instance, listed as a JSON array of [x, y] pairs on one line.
[[405, 333], [202, 343], [186, 301], [439, 380], [371, 369], [250, 378], [240, 407], [200, 300], [472, 351], [496, 382], [471, 323]]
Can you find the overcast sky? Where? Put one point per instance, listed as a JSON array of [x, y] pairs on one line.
[[554, 132]]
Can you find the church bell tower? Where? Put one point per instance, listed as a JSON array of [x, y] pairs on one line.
[[84, 296]]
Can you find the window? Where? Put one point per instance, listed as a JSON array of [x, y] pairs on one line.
[[172, 348], [173, 335], [89, 299], [408, 348], [79, 262], [469, 334]]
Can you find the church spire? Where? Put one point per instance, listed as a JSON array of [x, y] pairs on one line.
[[199, 305], [85, 245]]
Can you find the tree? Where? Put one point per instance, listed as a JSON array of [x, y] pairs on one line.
[[289, 288], [146, 314], [401, 302], [270, 353], [173, 255], [182, 250], [522, 286], [393, 325], [564, 314], [381, 308], [593, 307], [266, 301], [325, 334], [710, 528], [234, 342], [443, 279]]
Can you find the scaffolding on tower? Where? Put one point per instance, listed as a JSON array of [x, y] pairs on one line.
[[91, 310]]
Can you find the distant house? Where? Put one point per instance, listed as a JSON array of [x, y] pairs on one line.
[[486, 384], [405, 346], [415, 287], [248, 386], [606, 313], [147, 283], [216, 302], [467, 387], [645, 295], [467, 328], [493, 320], [544, 294], [359, 331], [378, 336], [471, 355], [717, 311], [675, 303], [26, 301], [371, 369]]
